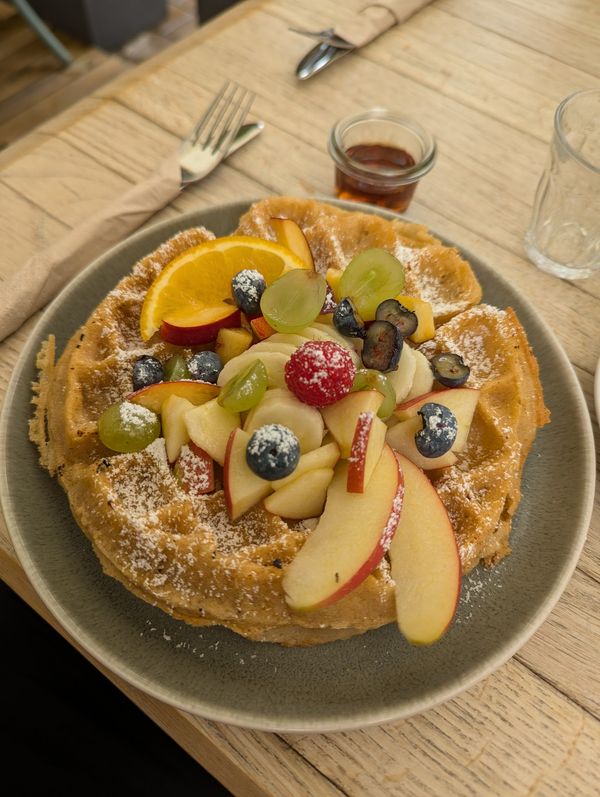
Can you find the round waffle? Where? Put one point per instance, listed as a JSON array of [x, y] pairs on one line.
[[182, 552]]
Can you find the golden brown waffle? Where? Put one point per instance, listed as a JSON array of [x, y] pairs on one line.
[[182, 553]]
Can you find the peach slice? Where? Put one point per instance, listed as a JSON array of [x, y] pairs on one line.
[[462, 401], [261, 327], [401, 437], [231, 342], [350, 538], [289, 234], [203, 327], [302, 498], [153, 396], [243, 489], [425, 561]]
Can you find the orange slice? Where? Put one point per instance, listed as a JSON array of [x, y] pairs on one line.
[[196, 285]]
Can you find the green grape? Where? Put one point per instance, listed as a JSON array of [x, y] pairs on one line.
[[293, 301], [368, 379], [246, 389], [176, 368], [370, 278], [127, 427]]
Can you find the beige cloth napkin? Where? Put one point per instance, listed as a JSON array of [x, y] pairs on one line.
[[376, 18], [43, 275]]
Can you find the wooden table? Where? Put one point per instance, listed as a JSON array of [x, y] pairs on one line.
[[485, 77]]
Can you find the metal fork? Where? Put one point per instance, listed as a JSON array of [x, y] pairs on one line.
[[211, 139]]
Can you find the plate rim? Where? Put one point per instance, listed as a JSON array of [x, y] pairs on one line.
[[362, 720]]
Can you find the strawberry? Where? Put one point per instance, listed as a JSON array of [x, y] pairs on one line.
[[320, 372]]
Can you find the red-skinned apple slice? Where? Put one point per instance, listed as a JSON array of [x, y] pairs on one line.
[[401, 437], [462, 401], [289, 234], [302, 498], [241, 486], [173, 424], [203, 330], [153, 396], [209, 426], [369, 439], [425, 561], [195, 470], [350, 539], [341, 418]]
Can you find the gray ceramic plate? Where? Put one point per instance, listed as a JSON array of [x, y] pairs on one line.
[[369, 679]]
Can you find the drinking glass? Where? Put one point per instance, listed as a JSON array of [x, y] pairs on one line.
[[564, 233]]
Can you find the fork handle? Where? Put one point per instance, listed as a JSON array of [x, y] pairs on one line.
[[42, 276]]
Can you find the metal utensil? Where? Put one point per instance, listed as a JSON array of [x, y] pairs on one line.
[[245, 134], [211, 139], [329, 49]]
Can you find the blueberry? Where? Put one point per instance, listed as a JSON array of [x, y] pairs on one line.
[[439, 430], [205, 366], [247, 287], [383, 346], [146, 371], [449, 369], [347, 320], [405, 321], [273, 452]]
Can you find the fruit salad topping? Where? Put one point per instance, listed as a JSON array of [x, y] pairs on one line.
[[402, 318], [146, 371], [347, 320], [320, 372], [273, 452], [205, 366], [246, 389], [450, 369], [383, 346], [247, 287], [439, 430]]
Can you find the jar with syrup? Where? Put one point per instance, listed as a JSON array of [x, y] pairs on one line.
[[380, 157]]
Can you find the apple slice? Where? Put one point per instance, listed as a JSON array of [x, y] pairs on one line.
[[153, 396], [243, 489], [401, 378], [231, 342], [325, 456], [425, 561], [201, 329], [273, 361], [209, 426], [319, 331], [341, 418], [281, 406], [195, 470], [173, 424], [367, 445], [422, 379], [289, 234], [423, 310], [401, 437], [261, 327], [350, 538], [462, 401], [302, 498]]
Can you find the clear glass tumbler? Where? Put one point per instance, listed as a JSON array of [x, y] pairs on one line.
[[564, 233]]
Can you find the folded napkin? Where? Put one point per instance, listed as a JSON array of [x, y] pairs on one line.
[[43, 275], [376, 18]]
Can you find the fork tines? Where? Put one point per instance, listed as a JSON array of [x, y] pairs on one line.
[[223, 117]]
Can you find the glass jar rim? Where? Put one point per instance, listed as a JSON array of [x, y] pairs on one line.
[[354, 167], [558, 118]]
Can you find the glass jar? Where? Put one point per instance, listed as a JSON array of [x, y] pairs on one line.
[[380, 157]]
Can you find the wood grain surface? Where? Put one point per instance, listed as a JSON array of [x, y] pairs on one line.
[[485, 77]]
